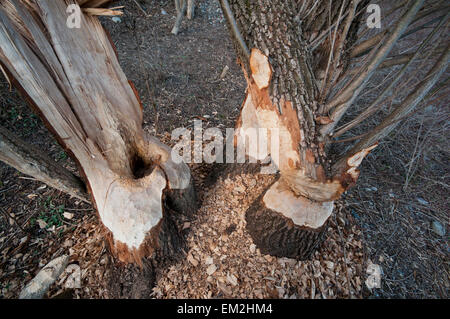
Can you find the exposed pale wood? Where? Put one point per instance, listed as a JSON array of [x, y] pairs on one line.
[[301, 210], [75, 82], [40, 284], [261, 69], [190, 9], [102, 12], [281, 236]]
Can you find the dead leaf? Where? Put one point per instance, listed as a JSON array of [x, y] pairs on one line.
[[68, 216], [42, 224]]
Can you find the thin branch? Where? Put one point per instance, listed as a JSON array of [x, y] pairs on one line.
[[422, 26], [395, 60], [318, 40], [404, 109], [385, 17], [376, 105], [234, 27], [340, 48], [190, 9], [6, 77], [7, 216], [29, 160], [140, 8], [365, 46], [300, 11], [330, 57], [312, 8], [438, 6], [343, 101]]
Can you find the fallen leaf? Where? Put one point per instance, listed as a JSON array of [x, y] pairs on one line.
[[42, 224]]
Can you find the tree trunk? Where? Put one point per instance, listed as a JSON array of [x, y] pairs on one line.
[[73, 79], [295, 57], [290, 218], [31, 161], [190, 9]]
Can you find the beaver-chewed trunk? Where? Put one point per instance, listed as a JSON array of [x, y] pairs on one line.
[[73, 80], [282, 105]]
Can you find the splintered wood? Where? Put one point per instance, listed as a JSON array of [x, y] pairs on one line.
[[75, 83]]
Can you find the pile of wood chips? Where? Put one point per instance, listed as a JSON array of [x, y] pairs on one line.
[[223, 262]]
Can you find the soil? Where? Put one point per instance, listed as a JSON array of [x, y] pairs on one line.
[[179, 80]]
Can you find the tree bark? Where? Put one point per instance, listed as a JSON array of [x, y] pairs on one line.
[[283, 92], [74, 82], [284, 225], [295, 56]]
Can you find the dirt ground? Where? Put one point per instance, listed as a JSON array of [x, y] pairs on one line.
[[386, 219]]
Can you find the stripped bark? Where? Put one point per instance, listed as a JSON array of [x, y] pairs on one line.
[[75, 83], [273, 41], [190, 9]]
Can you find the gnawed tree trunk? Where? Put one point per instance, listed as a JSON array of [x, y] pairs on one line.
[[294, 55], [74, 81], [31, 161]]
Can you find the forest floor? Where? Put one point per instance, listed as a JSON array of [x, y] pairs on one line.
[[383, 220]]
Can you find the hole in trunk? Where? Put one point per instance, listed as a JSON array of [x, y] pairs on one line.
[[141, 167]]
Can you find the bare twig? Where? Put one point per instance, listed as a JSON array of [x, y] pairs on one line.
[[319, 39], [140, 8], [7, 215], [330, 56], [405, 108], [376, 105], [340, 47], [343, 101], [365, 46], [6, 77], [234, 27]]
